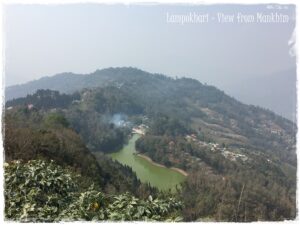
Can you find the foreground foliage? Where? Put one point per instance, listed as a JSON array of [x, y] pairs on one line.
[[41, 191], [32, 134]]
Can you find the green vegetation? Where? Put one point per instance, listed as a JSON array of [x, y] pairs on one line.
[[38, 191], [56, 119], [241, 159], [164, 125], [240, 197], [30, 134], [92, 118], [45, 99], [222, 189]]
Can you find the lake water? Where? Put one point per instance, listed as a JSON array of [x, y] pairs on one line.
[[160, 177]]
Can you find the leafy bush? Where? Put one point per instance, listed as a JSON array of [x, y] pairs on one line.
[[36, 191], [41, 191], [93, 205]]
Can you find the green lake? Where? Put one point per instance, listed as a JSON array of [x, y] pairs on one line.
[[160, 177]]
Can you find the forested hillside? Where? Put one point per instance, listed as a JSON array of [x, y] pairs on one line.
[[240, 159], [32, 134]]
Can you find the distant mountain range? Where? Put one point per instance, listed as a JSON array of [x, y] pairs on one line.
[[276, 92], [70, 82]]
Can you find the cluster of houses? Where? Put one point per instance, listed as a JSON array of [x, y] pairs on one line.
[[140, 129], [234, 156], [212, 146], [272, 128], [216, 147], [29, 107]]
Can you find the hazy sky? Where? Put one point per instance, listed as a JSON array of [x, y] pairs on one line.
[[48, 39]]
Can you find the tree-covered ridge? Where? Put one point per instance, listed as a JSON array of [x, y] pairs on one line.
[[45, 99], [241, 159], [205, 109], [39, 191]]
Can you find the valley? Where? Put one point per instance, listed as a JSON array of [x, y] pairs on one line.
[[132, 134]]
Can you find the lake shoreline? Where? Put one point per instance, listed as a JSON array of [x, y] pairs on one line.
[[182, 172], [146, 170]]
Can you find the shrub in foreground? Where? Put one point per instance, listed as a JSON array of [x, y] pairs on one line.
[[43, 191]]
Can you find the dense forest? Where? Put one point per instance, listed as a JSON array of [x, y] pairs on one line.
[[240, 159]]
